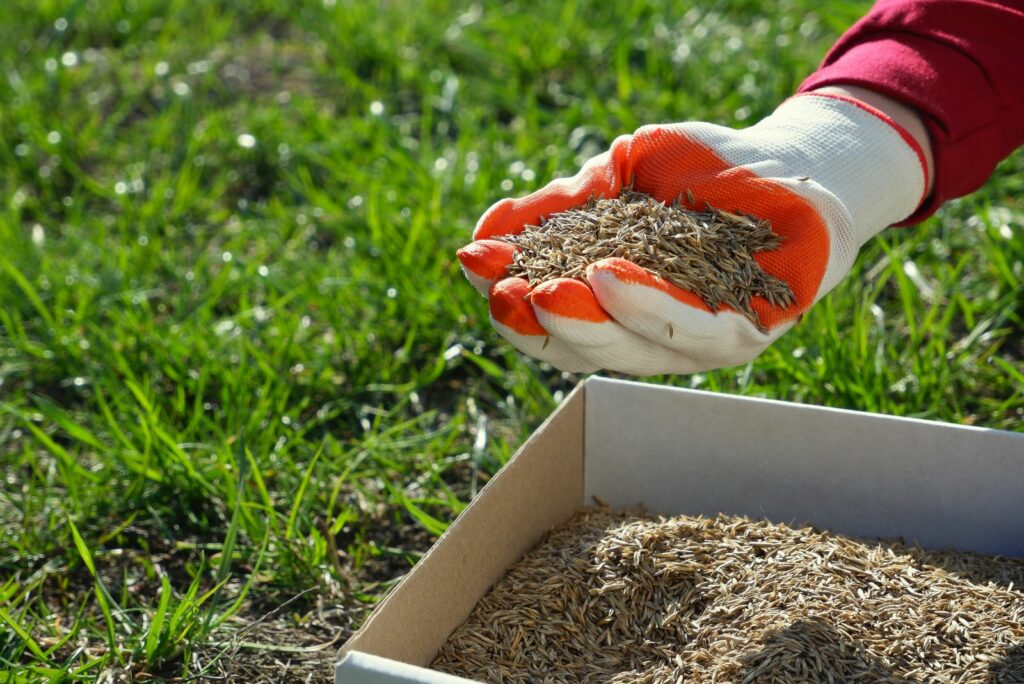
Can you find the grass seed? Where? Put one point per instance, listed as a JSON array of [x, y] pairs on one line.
[[710, 253], [617, 596]]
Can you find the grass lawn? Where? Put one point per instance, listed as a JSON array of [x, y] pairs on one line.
[[243, 383]]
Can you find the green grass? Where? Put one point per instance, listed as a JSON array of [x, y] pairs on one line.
[[239, 364]]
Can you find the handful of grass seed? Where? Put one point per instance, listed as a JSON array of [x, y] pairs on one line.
[[621, 597], [710, 253]]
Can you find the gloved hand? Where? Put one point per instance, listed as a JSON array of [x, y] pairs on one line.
[[827, 172]]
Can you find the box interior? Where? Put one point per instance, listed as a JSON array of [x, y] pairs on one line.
[[687, 452]]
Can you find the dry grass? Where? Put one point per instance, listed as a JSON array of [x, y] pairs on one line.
[[710, 253], [620, 597]]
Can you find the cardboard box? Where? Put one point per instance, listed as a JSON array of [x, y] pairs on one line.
[[679, 451]]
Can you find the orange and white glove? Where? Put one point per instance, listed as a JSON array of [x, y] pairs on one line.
[[828, 172]]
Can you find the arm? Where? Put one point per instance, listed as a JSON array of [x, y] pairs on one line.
[[958, 65]]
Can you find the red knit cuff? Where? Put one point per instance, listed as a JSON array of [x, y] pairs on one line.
[[908, 68]]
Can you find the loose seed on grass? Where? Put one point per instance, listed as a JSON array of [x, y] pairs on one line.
[[619, 597], [710, 253]]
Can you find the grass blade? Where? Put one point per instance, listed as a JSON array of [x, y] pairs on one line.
[[155, 632], [23, 635], [102, 597], [290, 529]]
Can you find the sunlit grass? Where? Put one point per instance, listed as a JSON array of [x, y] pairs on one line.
[[238, 360]]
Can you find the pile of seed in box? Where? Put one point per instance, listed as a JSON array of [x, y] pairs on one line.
[[710, 253], [621, 597]]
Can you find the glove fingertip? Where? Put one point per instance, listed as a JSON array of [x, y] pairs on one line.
[[510, 306], [569, 298], [487, 258], [609, 275], [498, 220]]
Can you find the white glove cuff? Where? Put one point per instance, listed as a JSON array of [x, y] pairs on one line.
[[872, 166]]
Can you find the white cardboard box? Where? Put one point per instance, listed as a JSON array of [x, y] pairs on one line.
[[679, 451]]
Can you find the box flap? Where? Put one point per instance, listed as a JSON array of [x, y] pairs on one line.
[[540, 487], [688, 452]]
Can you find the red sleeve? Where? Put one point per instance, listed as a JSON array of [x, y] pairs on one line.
[[960, 63]]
